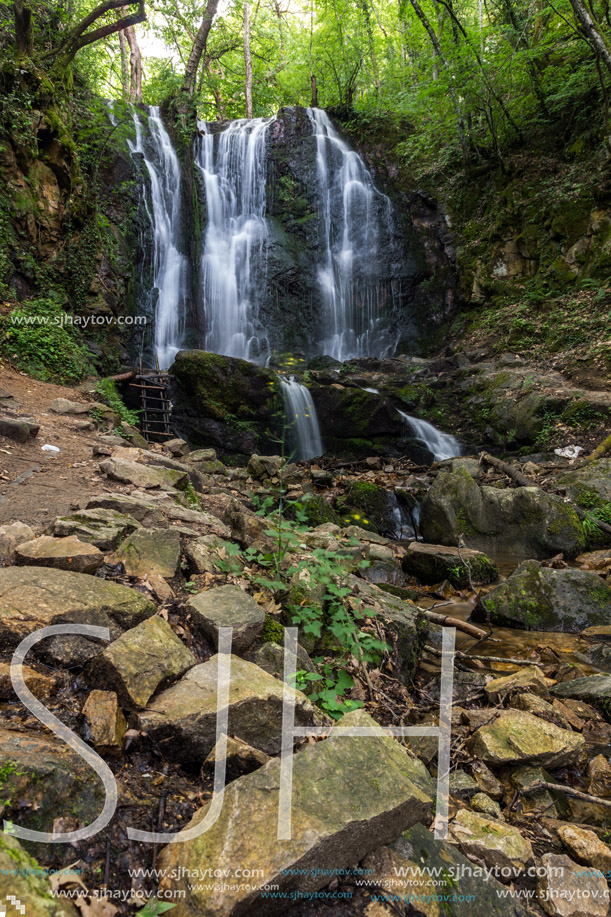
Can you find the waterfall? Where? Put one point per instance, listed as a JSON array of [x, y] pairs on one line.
[[233, 163], [441, 445], [353, 307], [170, 266], [304, 433]]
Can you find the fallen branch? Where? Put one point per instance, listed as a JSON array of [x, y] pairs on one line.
[[446, 621], [600, 450], [510, 660], [567, 790]]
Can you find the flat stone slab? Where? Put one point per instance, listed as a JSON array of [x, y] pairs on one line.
[[140, 661], [146, 476], [65, 406], [149, 551], [63, 553], [182, 719], [433, 563], [591, 688], [35, 597], [227, 606], [142, 509], [499, 845], [103, 528], [349, 796], [515, 736]]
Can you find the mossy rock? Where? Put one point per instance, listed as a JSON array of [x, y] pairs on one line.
[[374, 502], [318, 511]]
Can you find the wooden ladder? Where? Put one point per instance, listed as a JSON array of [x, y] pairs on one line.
[[156, 407]]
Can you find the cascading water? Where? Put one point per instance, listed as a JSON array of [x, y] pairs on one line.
[[234, 167], [304, 433], [353, 306], [169, 264], [441, 445]]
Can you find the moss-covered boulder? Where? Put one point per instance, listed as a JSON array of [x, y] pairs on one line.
[[149, 551], [500, 846], [318, 511], [540, 598], [374, 504], [524, 521], [355, 423], [515, 737], [225, 403], [23, 878], [433, 563]]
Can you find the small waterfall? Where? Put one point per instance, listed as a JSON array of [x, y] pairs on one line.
[[234, 167], [304, 433], [169, 264], [354, 307], [442, 445]]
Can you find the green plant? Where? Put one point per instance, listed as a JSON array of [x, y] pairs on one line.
[[106, 389], [190, 587]]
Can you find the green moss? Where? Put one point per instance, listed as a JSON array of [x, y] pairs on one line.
[[273, 631], [318, 511]]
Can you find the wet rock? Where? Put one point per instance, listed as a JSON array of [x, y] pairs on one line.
[[527, 679], [65, 406], [227, 606], [482, 803], [182, 719], [392, 792], [41, 686], [241, 759], [20, 431], [44, 779], [63, 553], [375, 503], [586, 847], [595, 689], [540, 598], [599, 773], [11, 535], [498, 845], [567, 890], [35, 597], [106, 724], [23, 878], [524, 520], [145, 476], [432, 564], [103, 528], [149, 551], [139, 662], [515, 736]]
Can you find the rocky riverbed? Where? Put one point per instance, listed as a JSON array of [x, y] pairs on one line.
[[164, 546]]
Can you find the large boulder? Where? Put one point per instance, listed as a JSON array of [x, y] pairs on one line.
[[349, 796], [28, 883], [524, 521], [515, 736], [590, 485], [35, 597], [103, 528], [227, 606], [182, 719], [139, 662], [145, 476], [149, 551], [63, 553], [227, 403], [540, 598], [433, 563]]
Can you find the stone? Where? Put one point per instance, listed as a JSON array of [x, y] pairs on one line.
[[482, 803], [65, 406], [227, 606], [202, 455], [594, 689], [500, 846], [531, 703], [525, 520], [103, 528], [35, 597], [106, 724], [141, 661], [566, 890], [241, 759], [68, 553], [182, 719], [149, 551], [270, 657], [11, 535], [143, 510], [462, 786], [23, 878], [20, 431], [261, 467], [540, 598], [156, 459], [527, 679], [383, 566], [391, 792], [592, 480], [210, 554], [410, 867], [486, 780], [599, 773], [43, 779], [586, 847], [176, 446], [41, 686], [515, 737], [145, 476], [432, 564], [539, 802]]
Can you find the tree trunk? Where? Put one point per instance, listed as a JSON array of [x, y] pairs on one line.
[[199, 47], [24, 32], [314, 99], [124, 66], [221, 110], [135, 65], [594, 35], [79, 37], [247, 61]]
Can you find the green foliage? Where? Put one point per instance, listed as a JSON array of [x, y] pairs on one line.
[[106, 390], [35, 338]]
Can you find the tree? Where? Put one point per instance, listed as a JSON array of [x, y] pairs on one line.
[[247, 61], [189, 82]]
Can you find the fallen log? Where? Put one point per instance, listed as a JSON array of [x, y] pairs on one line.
[[447, 621]]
